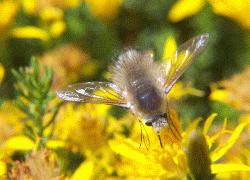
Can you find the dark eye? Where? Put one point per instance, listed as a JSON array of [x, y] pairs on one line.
[[163, 115], [149, 123]]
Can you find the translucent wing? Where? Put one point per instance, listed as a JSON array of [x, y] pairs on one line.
[[185, 55], [93, 92]]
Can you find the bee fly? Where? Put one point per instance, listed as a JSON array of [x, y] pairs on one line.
[[139, 83]]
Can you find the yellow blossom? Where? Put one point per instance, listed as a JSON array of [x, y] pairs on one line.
[[82, 125], [19, 143], [85, 171], [104, 9], [219, 94], [71, 4], [51, 13], [35, 7], [8, 10], [179, 90], [236, 10], [228, 91], [153, 161], [185, 8], [30, 32], [239, 153], [11, 126], [30, 6], [86, 129], [1, 73], [57, 28], [3, 169], [38, 165], [170, 47], [65, 71]]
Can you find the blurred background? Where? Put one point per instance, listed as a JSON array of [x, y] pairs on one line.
[[79, 39]]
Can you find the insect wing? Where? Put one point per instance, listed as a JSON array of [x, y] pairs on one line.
[[185, 55], [93, 92]]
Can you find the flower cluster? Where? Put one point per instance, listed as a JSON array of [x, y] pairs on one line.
[[70, 41]]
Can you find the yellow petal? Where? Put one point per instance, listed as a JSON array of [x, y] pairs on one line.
[[51, 13], [236, 10], [208, 123], [185, 8], [71, 3], [104, 9], [30, 7], [245, 118], [30, 32], [8, 11], [85, 171], [179, 90], [193, 125], [229, 167], [169, 47], [219, 95], [3, 169], [221, 150], [55, 144], [57, 28], [19, 143], [213, 138], [127, 148], [1, 73]]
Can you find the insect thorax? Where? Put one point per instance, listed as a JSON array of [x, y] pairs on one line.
[[147, 97], [138, 75]]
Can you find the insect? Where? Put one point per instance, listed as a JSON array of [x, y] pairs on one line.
[[139, 83]]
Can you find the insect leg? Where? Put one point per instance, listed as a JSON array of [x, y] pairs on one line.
[[172, 126]]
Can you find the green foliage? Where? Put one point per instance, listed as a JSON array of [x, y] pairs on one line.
[[33, 97]]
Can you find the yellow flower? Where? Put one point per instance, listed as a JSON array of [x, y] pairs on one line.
[[239, 153], [86, 129], [11, 125], [57, 28], [30, 7], [104, 9], [3, 170], [1, 73], [85, 171], [234, 91], [185, 8], [38, 165], [51, 13], [179, 90], [30, 32], [82, 125], [170, 47], [65, 71], [36, 7], [170, 161], [71, 4], [236, 10], [8, 10]]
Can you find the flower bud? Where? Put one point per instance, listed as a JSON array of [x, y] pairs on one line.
[[198, 156]]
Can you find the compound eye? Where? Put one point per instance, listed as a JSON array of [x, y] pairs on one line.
[[164, 115], [148, 123]]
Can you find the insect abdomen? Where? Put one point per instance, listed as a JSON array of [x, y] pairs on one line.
[[146, 95]]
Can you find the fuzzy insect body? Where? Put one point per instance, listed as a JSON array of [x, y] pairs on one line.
[[139, 77], [139, 83]]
